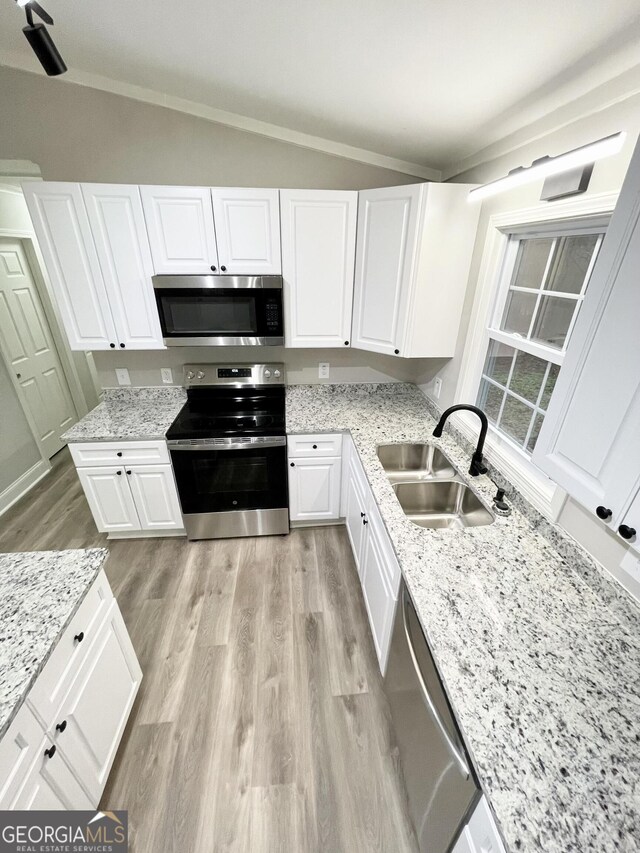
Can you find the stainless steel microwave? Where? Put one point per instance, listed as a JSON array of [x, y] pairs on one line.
[[220, 310]]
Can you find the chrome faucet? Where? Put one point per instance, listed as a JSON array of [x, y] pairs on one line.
[[477, 464]]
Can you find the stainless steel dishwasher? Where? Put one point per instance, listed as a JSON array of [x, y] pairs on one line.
[[440, 784]]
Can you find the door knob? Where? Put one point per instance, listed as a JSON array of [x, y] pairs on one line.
[[79, 637], [51, 751], [61, 726], [626, 532], [224, 269], [18, 376], [213, 269]]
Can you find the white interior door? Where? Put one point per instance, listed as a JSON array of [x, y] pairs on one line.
[[247, 230], [29, 349], [386, 247], [318, 259]]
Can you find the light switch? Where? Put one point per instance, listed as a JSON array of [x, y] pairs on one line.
[[122, 375]]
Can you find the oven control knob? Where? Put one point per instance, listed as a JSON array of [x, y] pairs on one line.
[[200, 375], [267, 374], [190, 374], [276, 373]]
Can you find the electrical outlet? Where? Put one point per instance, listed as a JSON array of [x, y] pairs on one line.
[[167, 375], [122, 375], [437, 387], [323, 370]]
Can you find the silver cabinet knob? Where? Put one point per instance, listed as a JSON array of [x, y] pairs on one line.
[[267, 374], [190, 374], [200, 375], [276, 373]]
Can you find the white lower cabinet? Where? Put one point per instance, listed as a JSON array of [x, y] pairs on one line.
[[315, 471], [58, 751], [126, 497], [377, 567]]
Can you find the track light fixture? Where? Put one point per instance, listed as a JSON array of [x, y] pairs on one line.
[[40, 40]]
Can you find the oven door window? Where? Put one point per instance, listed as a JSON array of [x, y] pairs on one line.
[[223, 314], [227, 480]]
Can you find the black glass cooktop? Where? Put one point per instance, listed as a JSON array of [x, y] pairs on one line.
[[225, 412]]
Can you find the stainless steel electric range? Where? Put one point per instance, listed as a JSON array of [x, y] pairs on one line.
[[229, 451]]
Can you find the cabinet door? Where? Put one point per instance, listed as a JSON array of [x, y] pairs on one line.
[[318, 260], [378, 597], [110, 499], [385, 259], [180, 227], [247, 230], [120, 236], [355, 515], [589, 439], [51, 785], [19, 747], [632, 519], [314, 489], [94, 714], [156, 497], [64, 236]]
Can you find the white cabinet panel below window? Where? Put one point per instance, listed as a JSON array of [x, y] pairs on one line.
[[120, 234], [318, 259], [109, 498], [156, 498], [64, 236], [314, 489], [247, 230], [180, 227]]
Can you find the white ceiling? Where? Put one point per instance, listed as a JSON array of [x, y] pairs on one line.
[[429, 82]]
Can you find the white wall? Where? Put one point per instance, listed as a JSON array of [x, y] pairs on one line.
[[347, 365], [607, 177], [79, 134]]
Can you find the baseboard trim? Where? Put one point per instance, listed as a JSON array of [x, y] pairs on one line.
[[147, 534], [23, 484]]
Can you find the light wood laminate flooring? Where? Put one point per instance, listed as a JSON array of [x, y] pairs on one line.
[[261, 724]]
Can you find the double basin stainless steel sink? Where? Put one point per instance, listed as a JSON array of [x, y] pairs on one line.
[[429, 489]]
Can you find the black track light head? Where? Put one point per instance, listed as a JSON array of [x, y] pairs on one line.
[[40, 39]]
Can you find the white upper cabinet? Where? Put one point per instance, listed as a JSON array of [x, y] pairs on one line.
[[247, 230], [414, 250], [589, 442], [180, 227], [120, 235], [318, 258], [64, 235]]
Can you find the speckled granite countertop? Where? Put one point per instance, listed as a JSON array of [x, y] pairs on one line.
[[40, 591], [538, 647], [130, 414]]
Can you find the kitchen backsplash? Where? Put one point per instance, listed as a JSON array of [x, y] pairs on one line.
[[348, 365]]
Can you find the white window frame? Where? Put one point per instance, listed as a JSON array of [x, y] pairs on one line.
[[491, 292]]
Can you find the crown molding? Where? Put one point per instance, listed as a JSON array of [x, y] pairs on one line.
[[603, 97], [10, 59]]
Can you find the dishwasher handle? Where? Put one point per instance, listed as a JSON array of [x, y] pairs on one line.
[[433, 711]]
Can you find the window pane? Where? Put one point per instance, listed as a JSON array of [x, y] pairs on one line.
[[498, 362], [554, 370], [516, 418], [571, 263], [518, 313], [535, 432], [531, 263], [528, 375], [553, 320], [490, 400]]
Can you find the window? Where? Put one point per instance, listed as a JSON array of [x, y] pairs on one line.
[[543, 286]]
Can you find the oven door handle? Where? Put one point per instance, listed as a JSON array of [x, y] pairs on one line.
[[228, 443]]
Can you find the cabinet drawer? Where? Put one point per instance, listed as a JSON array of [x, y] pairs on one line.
[[301, 446], [18, 748], [119, 453], [53, 683]]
